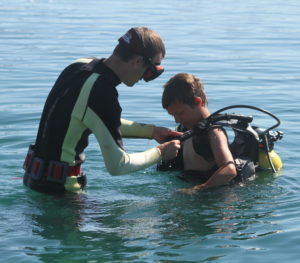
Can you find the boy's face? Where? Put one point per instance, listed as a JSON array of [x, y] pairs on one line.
[[185, 114]]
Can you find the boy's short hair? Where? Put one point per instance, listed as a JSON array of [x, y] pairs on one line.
[[151, 41], [183, 87]]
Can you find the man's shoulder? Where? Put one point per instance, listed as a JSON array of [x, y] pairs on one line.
[[83, 60]]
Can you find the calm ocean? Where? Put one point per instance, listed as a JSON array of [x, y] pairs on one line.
[[246, 52]]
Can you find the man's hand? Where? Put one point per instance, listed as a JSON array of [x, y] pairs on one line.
[[169, 149], [160, 134]]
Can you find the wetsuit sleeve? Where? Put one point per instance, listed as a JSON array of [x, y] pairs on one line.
[[137, 130], [118, 161]]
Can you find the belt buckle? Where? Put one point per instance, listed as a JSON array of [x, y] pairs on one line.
[[57, 172]]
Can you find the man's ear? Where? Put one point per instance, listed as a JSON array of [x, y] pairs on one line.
[[139, 59], [198, 101]]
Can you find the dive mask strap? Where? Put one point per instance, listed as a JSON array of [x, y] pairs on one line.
[[133, 42]]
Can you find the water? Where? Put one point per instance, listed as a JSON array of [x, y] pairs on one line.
[[246, 52]]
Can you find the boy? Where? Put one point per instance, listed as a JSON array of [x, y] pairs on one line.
[[206, 156]]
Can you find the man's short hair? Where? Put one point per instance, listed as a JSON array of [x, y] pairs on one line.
[[151, 41], [183, 88]]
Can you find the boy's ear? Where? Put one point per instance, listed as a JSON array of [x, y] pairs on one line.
[[198, 101]]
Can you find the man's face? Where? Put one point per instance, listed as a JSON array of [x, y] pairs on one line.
[[138, 68], [184, 114]]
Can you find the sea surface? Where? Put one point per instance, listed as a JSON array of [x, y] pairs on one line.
[[245, 52]]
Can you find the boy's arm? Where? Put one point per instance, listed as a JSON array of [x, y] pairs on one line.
[[223, 159]]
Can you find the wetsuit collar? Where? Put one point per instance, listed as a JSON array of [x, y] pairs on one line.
[[98, 66]]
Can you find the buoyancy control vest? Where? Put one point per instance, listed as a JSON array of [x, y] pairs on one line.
[[250, 143]]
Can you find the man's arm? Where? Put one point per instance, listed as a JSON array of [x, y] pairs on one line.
[[132, 129], [118, 161]]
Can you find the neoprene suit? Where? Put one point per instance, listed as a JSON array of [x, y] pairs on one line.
[[84, 100]]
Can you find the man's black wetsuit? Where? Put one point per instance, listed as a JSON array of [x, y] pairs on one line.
[[84, 100]]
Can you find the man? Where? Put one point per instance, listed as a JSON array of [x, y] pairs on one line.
[[84, 100], [206, 156]]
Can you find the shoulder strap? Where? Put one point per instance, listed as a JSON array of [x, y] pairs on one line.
[[201, 144]]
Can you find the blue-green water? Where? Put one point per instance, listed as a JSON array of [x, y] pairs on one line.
[[246, 52]]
